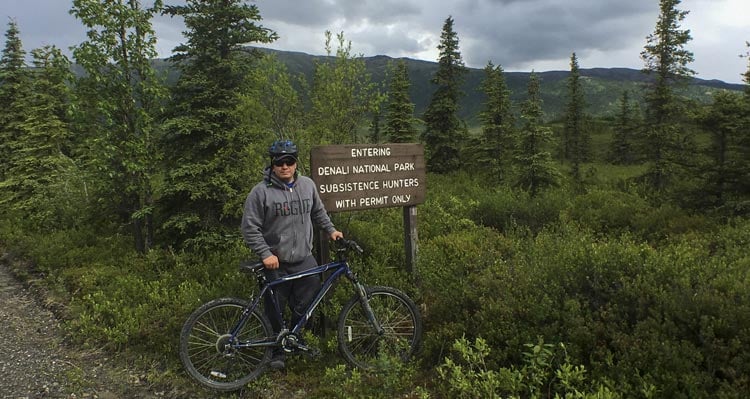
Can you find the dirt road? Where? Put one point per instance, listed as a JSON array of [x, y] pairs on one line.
[[36, 362]]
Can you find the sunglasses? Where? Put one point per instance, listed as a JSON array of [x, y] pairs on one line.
[[285, 161]]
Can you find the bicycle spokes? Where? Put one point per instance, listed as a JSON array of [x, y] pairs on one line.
[[359, 340], [216, 358]]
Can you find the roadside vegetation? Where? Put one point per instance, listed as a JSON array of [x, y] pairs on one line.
[[591, 256]]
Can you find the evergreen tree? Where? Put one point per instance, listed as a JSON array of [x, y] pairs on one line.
[[14, 83], [497, 145], [726, 175], [535, 169], [666, 60], [206, 144], [121, 97], [375, 129], [625, 130], [444, 135], [343, 95], [576, 140], [399, 124], [37, 177]]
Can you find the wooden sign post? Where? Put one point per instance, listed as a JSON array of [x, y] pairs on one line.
[[366, 176]]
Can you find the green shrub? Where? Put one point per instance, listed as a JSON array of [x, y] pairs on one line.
[[546, 370], [651, 300], [508, 210]]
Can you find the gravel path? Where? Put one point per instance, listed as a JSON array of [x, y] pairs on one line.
[[35, 362]]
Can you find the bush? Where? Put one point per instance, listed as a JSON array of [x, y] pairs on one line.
[[546, 370], [509, 210]]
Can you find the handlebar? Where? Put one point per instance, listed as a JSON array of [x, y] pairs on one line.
[[346, 245]]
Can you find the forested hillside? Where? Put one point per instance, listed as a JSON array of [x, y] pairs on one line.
[[584, 232], [603, 85]]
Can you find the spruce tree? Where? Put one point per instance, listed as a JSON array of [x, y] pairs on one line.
[[576, 141], [14, 81], [206, 144], [375, 128], [622, 151], [535, 168], [444, 133], [37, 181], [496, 145], [399, 123], [666, 62], [726, 174], [120, 98]]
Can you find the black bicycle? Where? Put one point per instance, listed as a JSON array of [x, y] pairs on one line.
[[228, 342]]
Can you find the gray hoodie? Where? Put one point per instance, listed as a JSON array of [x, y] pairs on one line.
[[279, 219]]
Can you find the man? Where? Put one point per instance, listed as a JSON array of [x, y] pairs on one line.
[[277, 225]]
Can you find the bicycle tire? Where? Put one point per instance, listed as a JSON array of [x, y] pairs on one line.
[[361, 346], [205, 333]]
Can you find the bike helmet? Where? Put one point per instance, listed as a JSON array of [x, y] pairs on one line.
[[282, 148]]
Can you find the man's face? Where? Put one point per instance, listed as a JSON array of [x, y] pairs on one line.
[[285, 167]]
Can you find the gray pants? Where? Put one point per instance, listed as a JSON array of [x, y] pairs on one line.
[[297, 294]]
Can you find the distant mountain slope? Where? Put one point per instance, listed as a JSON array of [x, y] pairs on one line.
[[603, 86]]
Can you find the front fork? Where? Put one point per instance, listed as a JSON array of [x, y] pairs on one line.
[[364, 300]]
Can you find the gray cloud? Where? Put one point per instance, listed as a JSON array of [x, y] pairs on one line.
[[518, 34]]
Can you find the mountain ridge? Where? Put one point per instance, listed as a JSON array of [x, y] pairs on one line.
[[603, 87]]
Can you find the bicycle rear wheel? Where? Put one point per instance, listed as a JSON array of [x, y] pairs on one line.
[[397, 314], [210, 355]]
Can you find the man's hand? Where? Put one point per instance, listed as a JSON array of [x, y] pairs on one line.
[[336, 235], [271, 262]]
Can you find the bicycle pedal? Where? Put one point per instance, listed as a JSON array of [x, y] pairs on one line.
[[308, 351]]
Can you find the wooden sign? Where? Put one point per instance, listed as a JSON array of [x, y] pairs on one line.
[[363, 176]]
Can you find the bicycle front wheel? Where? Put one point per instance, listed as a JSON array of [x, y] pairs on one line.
[[211, 355], [399, 318]]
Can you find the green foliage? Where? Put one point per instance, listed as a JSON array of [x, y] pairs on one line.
[[650, 298], [533, 162], [725, 172], [342, 95], [40, 171], [206, 146], [271, 100], [399, 123], [497, 144], [667, 59], [119, 99], [13, 88], [622, 149], [576, 144], [513, 211], [393, 379], [546, 371], [443, 133]]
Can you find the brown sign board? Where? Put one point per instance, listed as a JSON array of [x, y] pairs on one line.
[[365, 176]]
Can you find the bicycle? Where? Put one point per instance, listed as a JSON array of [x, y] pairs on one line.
[[226, 343]]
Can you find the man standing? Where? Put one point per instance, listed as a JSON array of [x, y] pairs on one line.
[[277, 224]]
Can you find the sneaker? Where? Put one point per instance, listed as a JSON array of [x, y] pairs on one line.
[[277, 361]]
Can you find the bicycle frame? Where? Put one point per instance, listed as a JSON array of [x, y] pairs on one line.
[[338, 268]]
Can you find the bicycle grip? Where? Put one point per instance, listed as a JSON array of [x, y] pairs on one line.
[[272, 274]]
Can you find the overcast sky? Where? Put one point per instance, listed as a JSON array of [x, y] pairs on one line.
[[520, 35]]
